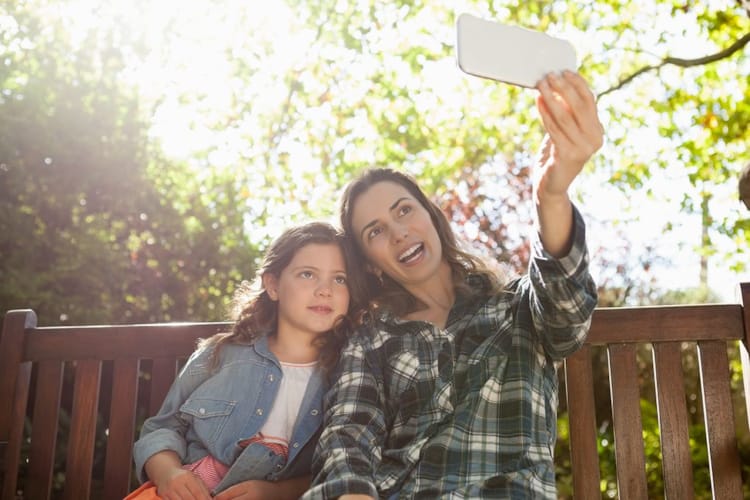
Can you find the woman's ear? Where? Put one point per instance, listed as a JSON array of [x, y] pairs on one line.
[[271, 284]]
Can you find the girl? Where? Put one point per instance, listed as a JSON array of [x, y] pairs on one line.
[[246, 407], [449, 391]]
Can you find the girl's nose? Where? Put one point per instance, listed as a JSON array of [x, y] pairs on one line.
[[324, 290]]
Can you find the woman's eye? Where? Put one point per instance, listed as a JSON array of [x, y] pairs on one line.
[[341, 280], [374, 232], [404, 209], [306, 275]]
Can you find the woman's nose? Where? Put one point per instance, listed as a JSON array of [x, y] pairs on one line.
[[400, 232]]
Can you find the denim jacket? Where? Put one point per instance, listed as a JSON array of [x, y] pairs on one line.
[[209, 412]]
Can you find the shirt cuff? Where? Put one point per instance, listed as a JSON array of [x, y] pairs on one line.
[[153, 443], [568, 265]]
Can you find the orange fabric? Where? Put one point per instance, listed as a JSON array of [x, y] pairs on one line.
[[147, 491]]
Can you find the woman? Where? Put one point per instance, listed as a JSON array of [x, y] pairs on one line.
[[450, 390]]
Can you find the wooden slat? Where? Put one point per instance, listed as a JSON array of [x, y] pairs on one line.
[[163, 373], [744, 292], [11, 349], [116, 342], [719, 419], [82, 430], [626, 415], [121, 428], [49, 381], [666, 323], [584, 458], [15, 435], [673, 421]]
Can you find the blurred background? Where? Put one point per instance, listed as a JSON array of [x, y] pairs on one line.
[[149, 151]]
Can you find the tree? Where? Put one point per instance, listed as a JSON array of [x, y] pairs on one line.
[[96, 225]]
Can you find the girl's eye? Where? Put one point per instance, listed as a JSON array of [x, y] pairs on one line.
[[306, 275], [341, 280], [404, 209]]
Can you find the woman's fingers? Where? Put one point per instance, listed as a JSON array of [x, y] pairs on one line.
[[551, 122], [568, 110]]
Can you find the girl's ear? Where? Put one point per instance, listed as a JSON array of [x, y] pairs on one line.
[[271, 284]]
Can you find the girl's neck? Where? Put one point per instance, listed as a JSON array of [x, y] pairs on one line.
[[292, 349]]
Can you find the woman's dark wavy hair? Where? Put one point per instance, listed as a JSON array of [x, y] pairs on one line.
[[388, 293], [255, 314]]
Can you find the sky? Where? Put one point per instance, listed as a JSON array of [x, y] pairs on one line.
[[196, 41]]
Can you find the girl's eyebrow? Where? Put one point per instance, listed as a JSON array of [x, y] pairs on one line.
[[314, 268], [372, 223]]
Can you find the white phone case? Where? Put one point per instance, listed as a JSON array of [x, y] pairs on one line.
[[509, 54]]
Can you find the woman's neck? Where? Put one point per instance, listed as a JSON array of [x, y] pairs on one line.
[[436, 297]]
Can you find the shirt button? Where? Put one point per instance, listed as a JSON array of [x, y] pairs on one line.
[[295, 445], [314, 412], [202, 411], [259, 411]]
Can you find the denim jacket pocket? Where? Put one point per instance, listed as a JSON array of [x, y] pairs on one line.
[[209, 416]]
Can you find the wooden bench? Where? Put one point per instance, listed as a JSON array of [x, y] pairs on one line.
[[120, 374]]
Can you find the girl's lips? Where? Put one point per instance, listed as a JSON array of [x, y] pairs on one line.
[[321, 309]]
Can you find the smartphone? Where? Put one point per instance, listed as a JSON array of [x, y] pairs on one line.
[[509, 54]]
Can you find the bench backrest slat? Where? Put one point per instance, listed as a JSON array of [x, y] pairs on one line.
[[626, 420], [719, 417], [80, 457], [121, 428], [163, 373], [16, 411], [584, 458], [44, 427], [673, 420]]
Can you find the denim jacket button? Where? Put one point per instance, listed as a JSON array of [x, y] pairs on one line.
[[270, 378], [259, 411], [295, 445], [314, 412], [202, 411]]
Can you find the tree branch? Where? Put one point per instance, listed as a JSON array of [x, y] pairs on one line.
[[684, 63]]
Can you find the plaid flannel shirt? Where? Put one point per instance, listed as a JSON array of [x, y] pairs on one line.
[[468, 411]]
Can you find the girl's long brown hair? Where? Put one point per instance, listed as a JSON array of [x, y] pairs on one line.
[[255, 314], [389, 293]]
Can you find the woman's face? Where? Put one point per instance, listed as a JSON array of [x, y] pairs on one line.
[[396, 234]]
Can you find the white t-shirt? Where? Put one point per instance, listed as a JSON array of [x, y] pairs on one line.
[[277, 431]]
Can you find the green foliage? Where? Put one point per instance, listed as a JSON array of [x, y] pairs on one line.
[[96, 226]]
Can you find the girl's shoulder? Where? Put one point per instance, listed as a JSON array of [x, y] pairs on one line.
[[224, 352]]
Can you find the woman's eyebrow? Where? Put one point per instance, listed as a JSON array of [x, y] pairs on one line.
[[372, 223]]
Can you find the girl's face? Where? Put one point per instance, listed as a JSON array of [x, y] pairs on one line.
[[311, 291], [396, 234]]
